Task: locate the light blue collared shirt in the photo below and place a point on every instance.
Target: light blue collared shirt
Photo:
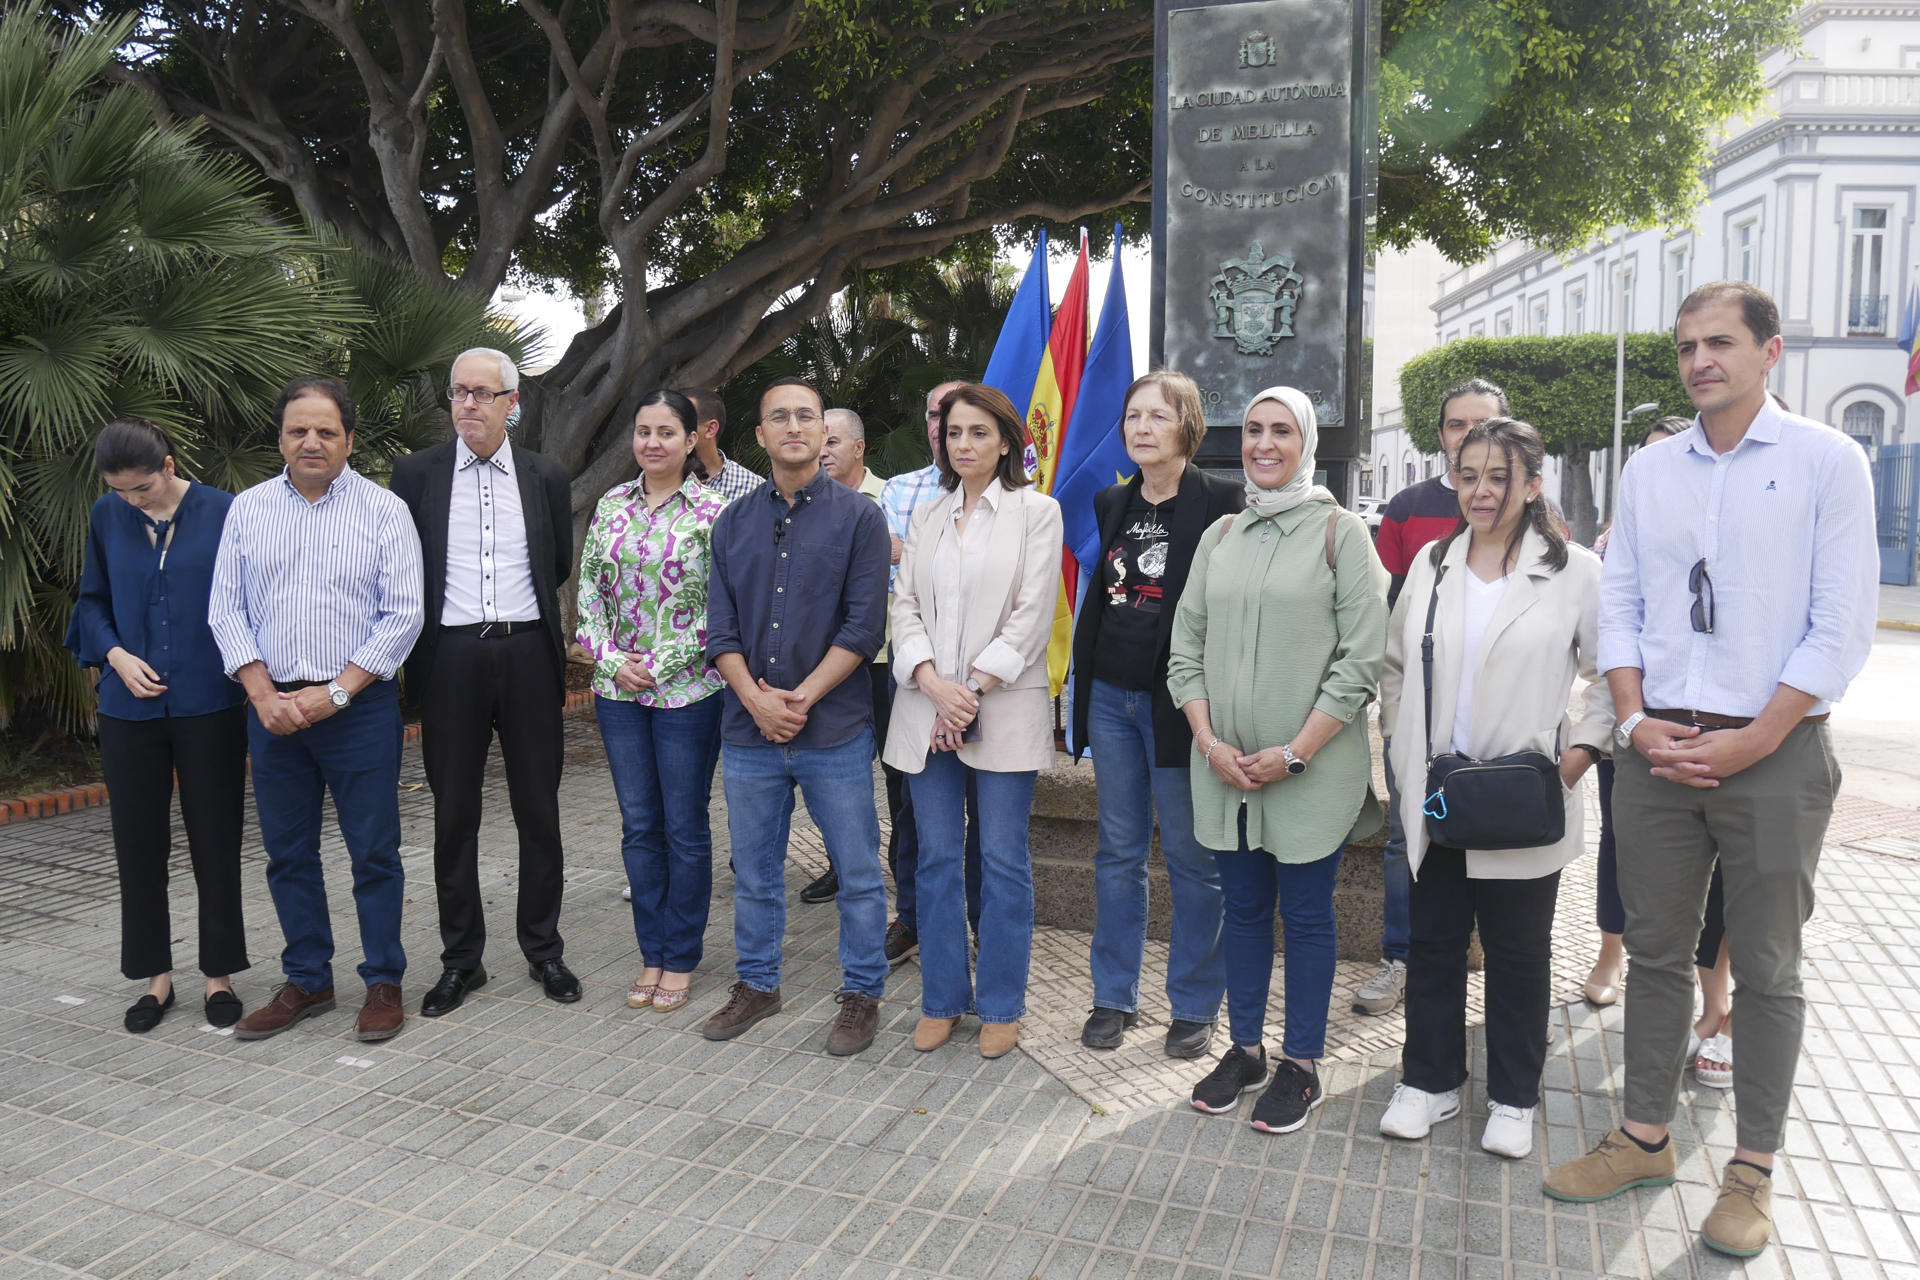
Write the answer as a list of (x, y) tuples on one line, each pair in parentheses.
[(901, 497), (1785, 522)]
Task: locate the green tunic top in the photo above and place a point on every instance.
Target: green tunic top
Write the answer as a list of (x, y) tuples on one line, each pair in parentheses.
[(1266, 633)]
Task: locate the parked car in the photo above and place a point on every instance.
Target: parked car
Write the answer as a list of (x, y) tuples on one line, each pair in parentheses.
[(1369, 509)]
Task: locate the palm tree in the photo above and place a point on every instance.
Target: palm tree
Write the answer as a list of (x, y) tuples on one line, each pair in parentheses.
[(140, 274)]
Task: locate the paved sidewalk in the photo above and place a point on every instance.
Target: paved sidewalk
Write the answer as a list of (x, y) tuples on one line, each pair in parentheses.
[(1900, 608), (518, 1138)]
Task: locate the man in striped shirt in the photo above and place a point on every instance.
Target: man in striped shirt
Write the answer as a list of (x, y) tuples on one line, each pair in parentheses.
[(316, 602)]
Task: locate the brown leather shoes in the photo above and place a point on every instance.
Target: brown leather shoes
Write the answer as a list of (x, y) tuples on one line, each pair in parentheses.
[(381, 1016), (289, 1005), (854, 1025), (744, 1007)]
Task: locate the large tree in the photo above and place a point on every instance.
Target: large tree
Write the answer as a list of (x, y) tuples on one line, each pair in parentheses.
[(725, 167), (1562, 386)]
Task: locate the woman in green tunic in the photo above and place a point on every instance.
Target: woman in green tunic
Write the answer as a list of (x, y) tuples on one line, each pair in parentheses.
[(1276, 650)]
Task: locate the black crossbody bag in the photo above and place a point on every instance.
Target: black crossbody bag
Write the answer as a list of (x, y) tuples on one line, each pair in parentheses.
[(1510, 802)]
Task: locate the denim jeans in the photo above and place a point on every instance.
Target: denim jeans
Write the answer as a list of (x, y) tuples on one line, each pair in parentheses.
[(1250, 880), (1396, 879), (837, 784), (1120, 731), (662, 761), (997, 990), (903, 859), (355, 754)]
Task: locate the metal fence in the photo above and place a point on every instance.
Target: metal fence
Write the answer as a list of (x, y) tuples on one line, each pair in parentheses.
[(1896, 499)]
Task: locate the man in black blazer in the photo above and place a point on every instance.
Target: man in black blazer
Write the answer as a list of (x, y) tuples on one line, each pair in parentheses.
[(496, 538)]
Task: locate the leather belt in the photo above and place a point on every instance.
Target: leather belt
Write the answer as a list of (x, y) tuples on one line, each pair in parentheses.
[(490, 630), (295, 686), (1708, 720)]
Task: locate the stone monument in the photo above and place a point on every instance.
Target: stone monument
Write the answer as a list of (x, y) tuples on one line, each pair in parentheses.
[(1262, 185)]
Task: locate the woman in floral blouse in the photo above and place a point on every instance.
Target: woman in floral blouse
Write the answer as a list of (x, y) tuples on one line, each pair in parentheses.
[(643, 618)]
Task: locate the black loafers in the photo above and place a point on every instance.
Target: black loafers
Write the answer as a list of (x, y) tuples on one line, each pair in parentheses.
[(146, 1013), (556, 980), (223, 1009), (448, 993), (1106, 1028)]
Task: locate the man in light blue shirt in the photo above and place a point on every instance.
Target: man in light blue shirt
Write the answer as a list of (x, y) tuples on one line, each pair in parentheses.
[(1739, 600)]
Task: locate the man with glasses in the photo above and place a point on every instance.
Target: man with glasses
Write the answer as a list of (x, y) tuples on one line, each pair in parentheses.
[(796, 605), (496, 536), (1738, 603)]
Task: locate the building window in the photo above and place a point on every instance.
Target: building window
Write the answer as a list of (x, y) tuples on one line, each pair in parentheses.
[(1626, 297), (1866, 281), (1366, 482), (1746, 251), (1478, 329), (1503, 325), (1386, 476), (1863, 420), (1453, 336), (1677, 274), (1538, 324), (1577, 308), (1412, 476)]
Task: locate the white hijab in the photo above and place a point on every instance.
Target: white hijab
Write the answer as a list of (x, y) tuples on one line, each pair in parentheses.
[(1264, 503)]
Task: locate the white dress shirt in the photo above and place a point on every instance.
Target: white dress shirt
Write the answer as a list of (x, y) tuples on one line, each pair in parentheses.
[(1785, 523), (489, 574)]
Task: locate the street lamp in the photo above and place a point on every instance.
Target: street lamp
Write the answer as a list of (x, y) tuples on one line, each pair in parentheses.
[(1619, 425)]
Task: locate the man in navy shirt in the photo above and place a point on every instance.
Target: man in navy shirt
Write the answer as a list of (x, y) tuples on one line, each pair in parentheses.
[(796, 606)]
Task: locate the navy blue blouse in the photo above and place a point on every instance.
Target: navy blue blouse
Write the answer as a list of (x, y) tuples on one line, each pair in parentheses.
[(153, 607)]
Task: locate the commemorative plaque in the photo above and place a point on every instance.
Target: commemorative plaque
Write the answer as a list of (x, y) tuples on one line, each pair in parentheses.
[(1260, 201)]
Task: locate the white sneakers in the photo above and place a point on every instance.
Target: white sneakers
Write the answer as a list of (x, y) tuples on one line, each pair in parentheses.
[(1509, 1131), (1413, 1113)]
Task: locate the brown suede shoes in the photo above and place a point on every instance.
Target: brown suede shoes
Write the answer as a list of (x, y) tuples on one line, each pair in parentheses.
[(289, 1005), (744, 1007), (1742, 1219), (381, 1016), (933, 1032), (854, 1025), (1615, 1165), (998, 1038)]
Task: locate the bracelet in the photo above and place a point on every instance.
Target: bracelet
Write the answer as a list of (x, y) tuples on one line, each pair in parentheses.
[(1208, 756)]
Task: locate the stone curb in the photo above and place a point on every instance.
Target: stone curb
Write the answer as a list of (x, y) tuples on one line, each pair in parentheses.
[(86, 795), (1896, 624)]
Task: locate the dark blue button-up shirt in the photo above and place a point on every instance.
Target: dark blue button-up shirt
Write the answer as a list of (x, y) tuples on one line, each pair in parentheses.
[(791, 582), (154, 608)]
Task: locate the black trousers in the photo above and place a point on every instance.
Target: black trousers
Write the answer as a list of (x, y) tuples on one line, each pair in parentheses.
[(898, 801), (140, 759), (1516, 935), (474, 688)]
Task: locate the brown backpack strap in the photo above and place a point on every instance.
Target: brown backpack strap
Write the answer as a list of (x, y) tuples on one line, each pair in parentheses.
[(1333, 520), (1227, 528)]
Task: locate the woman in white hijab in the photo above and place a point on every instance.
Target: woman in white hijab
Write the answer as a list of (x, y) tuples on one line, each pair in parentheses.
[(1276, 650)]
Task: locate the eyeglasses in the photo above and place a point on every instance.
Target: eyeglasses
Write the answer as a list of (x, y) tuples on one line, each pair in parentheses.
[(1702, 587), (480, 395), (780, 417)]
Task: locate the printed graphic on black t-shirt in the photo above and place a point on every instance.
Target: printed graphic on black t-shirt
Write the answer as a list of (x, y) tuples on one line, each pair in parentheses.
[(1132, 575)]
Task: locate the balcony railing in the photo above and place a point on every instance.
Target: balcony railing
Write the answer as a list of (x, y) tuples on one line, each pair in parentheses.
[(1866, 315)]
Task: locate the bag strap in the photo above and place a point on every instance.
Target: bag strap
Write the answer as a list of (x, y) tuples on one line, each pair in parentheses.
[(1426, 659), (1226, 528), (1333, 524)]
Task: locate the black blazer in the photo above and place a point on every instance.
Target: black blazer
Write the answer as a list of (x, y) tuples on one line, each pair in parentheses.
[(424, 481), (1202, 500)]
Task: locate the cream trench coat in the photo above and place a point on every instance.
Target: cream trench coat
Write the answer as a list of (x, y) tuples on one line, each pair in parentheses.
[(1012, 611), (1543, 637)]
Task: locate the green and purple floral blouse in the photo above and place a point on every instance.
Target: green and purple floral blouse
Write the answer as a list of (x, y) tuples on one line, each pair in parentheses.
[(643, 592)]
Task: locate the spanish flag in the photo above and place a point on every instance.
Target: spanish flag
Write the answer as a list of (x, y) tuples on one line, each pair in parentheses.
[(1909, 339), (1048, 414)]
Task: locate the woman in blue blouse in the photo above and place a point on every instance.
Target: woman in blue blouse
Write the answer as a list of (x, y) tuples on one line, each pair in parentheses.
[(166, 708)]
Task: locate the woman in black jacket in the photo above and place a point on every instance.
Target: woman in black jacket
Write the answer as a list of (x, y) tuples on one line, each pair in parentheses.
[(1150, 527)]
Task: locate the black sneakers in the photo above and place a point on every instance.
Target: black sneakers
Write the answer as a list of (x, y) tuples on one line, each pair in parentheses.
[(1238, 1072), (1188, 1039), (1106, 1028), (1292, 1096)]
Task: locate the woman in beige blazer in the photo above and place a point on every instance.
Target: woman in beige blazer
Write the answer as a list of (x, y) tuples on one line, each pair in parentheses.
[(1517, 623), (972, 611)]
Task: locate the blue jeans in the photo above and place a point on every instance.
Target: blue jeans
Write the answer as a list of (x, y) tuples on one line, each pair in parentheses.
[(1396, 906), (903, 859), (1250, 879), (662, 761), (837, 783), (355, 754), (1120, 731), (997, 990)]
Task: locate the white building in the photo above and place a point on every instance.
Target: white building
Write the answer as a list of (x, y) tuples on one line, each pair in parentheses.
[(1815, 200)]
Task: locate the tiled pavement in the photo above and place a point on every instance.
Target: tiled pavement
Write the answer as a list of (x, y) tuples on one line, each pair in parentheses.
[(517, 1138)]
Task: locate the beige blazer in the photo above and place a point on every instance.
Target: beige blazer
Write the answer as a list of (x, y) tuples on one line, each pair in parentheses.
[(1543, 638), (1014, 604)]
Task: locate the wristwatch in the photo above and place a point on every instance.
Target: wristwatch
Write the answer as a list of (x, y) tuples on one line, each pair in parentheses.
[(1294, 763), (1623, 732), (339, 696), (973, 685)]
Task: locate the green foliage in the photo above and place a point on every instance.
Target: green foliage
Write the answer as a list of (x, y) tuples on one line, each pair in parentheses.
[(1563, 386), (1552, 120), (141, 275)]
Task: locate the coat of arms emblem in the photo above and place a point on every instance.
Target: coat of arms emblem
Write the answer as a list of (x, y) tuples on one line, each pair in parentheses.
[(1257, 50), (1253, 300)]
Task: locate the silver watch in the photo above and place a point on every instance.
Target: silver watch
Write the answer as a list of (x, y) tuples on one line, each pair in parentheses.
[(973, 685), (339, 696), (1623, 732), (1293, 762)]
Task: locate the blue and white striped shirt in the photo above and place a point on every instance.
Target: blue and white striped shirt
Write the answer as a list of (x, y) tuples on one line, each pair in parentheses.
[(307, 588)]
